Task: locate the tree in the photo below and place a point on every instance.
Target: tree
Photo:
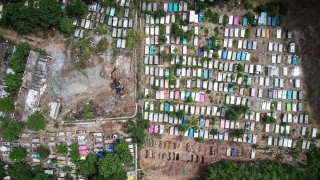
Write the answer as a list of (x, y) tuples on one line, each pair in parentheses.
[(19, 171), (180, 114), (250, 17), (43, 151), (6, 104), (270, 119), (65, 26), (62, 148), (238, 133), (110, 166), (13, 83), (122, 150), (11, 129), (48, 13), (213, 131), (183, 128), (88, 167), (75, 9), (39, 174), (74, 152), (2, 171), (265, 169), (240, 68), (18, 154), (36, 122), (139, 136)]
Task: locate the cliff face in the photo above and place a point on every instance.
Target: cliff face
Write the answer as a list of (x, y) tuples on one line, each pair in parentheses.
[(304, 19)]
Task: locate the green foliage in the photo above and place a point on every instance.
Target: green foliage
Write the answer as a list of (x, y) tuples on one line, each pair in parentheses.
[(238, 133), (158, 13), (102, 45), (6, 104), (18, 154), (133, 37), (45, 17), (65, 26), (2, 171), (270, 119), (74, 152), (17, 62), (19, 171), (234, 112), (200, 140), (110, 167), (250, 17), (240, 68), (138, 130), (212, 16), (36, 122), (189, 99), (183, 128), (213, 120), (43, 151), (213, 131), (62, 148), (251, 170), (180, 114), (247, 33), (13, 83), (247, 5), (162, 39), (76, 8), (122, 150), (178, 32), (225, 20), (11, 129), (88, 167)]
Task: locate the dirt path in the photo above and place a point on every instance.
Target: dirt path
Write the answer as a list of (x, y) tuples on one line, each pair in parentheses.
[(35, 42)]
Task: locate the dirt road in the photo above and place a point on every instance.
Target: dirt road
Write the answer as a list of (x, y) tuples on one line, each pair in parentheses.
[(35, 42)]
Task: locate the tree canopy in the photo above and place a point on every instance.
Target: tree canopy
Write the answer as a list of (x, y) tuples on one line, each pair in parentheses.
[(11, 129), (74, 152), (6, 104), (18, 154), (19, 171), (122, 150), (110, 166), (43, 151), (65, 26), (62, 148), (233, 113), (88, 167), (76, 9), (251, 170), (36, 122), (2, 171), (43, 16), (17, 62)]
